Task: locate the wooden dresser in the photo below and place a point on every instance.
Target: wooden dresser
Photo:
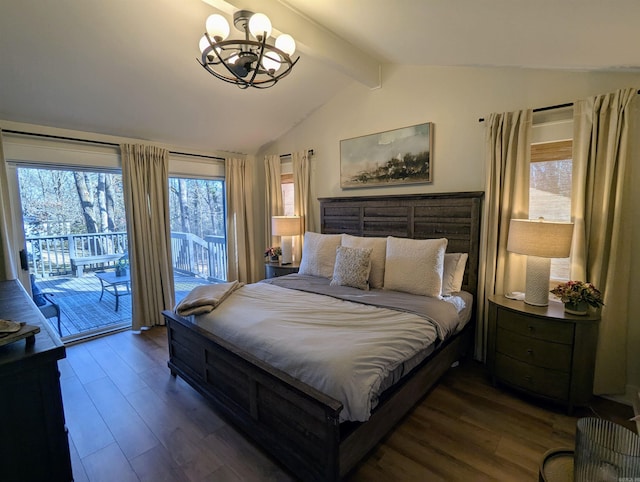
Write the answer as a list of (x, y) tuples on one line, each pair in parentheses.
[(542, 350), (33, 438)]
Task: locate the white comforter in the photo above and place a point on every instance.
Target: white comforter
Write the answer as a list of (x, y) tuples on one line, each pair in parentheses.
[(342, 348)]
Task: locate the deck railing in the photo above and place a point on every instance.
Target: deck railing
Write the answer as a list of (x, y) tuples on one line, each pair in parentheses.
[(206, 257), (52, 255)]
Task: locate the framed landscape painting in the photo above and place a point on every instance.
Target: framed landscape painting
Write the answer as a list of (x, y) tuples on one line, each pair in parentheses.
[(399, 156)]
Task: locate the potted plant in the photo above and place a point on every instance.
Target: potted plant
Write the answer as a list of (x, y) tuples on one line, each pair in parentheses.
[(577, 296), (121, 267), (273, 253)]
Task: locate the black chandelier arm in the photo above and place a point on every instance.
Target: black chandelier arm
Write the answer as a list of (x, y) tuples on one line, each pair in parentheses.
[(217, 52)]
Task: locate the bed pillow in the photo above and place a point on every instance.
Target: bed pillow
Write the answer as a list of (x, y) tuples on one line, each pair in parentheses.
[(454, 264), (319, 254), (378, 248), (352, 267), (415, 265)]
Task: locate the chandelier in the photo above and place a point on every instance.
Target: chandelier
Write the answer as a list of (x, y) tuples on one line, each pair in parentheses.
[(248, 62)]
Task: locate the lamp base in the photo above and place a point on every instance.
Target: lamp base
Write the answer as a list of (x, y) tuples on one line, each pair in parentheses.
[(287, 255), (538, 273)]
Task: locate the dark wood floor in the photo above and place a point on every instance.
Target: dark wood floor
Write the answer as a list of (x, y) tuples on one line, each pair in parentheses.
[(129, 420)]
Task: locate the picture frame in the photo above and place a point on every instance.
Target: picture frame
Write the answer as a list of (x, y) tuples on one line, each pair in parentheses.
[(394, 157)]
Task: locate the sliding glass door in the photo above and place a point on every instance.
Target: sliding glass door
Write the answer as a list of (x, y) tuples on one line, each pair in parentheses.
[(198, 240), (76, 242)]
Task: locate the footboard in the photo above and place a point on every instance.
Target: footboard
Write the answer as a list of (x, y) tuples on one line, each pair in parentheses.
[(296, 423)]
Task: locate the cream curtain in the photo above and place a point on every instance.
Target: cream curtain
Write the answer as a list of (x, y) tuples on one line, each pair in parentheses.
[(273, 194), (507, 148), (301, 193), (7, 259), (241, 251), (145, 182), (601, 251)]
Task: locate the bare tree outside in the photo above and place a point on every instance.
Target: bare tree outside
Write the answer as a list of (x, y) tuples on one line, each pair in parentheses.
[(56, 202), (197, 206), (71, 216)]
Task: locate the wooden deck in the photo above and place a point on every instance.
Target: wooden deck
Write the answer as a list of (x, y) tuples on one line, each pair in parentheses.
[(82, 311)]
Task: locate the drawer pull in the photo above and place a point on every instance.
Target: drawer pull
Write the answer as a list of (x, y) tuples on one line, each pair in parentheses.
[(528, 378), (529, 351), (532, 329)]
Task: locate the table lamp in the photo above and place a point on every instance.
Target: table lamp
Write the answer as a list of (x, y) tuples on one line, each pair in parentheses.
[(286, 227), (540, 240)]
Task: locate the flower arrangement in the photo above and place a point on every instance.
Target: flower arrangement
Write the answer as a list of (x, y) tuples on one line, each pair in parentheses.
[(576, 291), (273, 252)]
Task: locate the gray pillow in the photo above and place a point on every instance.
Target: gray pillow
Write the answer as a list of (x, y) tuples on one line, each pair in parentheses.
[(352, 267)]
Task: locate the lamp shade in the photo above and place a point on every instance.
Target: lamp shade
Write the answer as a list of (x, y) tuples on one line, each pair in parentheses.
[(285, 225), (544, 239)]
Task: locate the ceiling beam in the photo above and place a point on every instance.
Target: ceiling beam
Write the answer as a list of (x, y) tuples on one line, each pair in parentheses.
[(311, 38)]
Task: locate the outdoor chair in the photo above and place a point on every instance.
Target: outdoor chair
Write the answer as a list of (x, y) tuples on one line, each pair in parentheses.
[(45, 303)]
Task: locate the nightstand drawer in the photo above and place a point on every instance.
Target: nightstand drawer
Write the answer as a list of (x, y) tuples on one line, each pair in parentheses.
[(543, 381), (556, 331), (540, 353)]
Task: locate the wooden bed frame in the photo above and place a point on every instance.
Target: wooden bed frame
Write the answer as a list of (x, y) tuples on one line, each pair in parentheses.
[(292, 421)]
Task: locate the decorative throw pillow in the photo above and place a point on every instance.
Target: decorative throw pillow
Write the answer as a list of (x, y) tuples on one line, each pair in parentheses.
[(454, 264), (378, 248), (352, 267), (319, 254), (415, 265)]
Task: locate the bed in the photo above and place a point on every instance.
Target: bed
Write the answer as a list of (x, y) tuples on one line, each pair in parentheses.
[(301, 426)]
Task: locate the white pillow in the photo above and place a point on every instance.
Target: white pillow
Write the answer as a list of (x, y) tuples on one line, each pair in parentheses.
[(378, 248), (352, 267), (454, 264), (415, 265), (319, 254)]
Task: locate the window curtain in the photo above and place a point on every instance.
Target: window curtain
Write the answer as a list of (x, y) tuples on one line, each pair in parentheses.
[(273, 194), (240, 220), (7, 250), (145, 182), (301, 193), (601, 251), (507, 148)]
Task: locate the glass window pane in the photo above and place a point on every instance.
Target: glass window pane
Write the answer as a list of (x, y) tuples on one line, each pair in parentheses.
[(76, 240), (550, 198), (287, 198), (198, 241)]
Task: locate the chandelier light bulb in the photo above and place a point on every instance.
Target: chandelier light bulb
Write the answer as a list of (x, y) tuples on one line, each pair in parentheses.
[(286, 43), (259, 25), (271, 61), (203, 44), (217, 27)]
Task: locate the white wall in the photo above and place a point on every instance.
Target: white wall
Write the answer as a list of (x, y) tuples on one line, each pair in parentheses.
[(453, 98)]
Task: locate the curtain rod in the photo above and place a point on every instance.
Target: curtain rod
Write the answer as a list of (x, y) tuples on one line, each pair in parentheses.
[(542, 109), (100, 143), (551, 107), (310, 151)]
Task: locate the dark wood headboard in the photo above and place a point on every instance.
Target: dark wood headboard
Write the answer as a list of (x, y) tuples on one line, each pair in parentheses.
[(455, 216)]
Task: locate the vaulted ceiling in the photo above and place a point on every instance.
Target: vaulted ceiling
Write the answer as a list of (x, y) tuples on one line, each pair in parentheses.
[(128, 67)]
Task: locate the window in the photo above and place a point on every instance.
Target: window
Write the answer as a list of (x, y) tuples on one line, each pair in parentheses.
[(198, 240), (286, 181), (550, 190)]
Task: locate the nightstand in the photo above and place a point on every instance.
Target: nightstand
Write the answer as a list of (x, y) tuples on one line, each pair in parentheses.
[(542, 350), (273, 270)]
